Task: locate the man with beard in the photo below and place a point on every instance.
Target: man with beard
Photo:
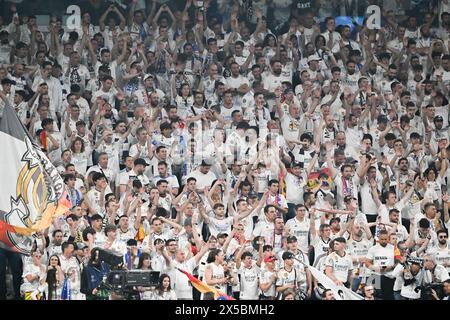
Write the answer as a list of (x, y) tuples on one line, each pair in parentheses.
[(351, 77), (165, 198), (346, 181), (380, 260), (198, 110), (358, 247), (238, 84), (389, 79), (438, 133), (143, 95), (138, 172), (273, 80), (442, 250)]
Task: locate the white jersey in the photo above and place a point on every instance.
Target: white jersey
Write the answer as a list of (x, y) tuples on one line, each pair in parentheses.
[(299, 229), (265, 277), (218, 273), (217, 226), (320, 249), (71, 268), (249, 282), (341, 265), (181, 283), (287, 277), (359, 249), (442, 256)]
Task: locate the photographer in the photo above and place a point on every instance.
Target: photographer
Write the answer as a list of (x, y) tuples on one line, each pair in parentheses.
[(413, 275), (435, 276), (92, 278), (446, 291)]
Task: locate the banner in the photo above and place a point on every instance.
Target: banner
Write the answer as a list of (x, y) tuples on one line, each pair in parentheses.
[(32, 192), (340, 292)]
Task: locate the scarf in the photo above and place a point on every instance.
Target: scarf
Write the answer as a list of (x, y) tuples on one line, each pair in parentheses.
[(74, 75), (348, 187)]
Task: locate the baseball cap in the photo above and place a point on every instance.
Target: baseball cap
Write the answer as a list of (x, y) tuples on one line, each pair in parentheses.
[(222, 235), (270, 258), (187, 222), (165, 125), (81, 245), (287, 255), (297, 164), (288, 90), (204, 163), (141, 161), (291, 239), (350, 160), (313, 57), (382, 118), (149, 75), (8, 81), (438, 118)]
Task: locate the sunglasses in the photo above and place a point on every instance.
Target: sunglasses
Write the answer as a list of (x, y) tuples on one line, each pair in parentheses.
[(443, 237)]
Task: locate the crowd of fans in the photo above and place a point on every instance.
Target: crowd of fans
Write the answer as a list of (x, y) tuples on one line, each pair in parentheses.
[(241, 141)]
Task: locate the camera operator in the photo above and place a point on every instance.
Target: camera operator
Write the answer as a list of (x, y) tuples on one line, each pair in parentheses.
[(446, 291), (92, 284)]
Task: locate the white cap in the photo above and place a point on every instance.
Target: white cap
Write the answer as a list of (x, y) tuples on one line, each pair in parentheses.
[(313, 57)]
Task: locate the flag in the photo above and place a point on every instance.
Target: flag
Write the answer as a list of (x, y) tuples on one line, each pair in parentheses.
[(340, 292), (140, 234), (397, 253), (33, 192), (66, 291), (313, 178), (203, 287)]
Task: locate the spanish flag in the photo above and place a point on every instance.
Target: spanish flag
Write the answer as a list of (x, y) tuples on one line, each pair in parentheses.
[(203, 287), (140, 234), (397, 253)]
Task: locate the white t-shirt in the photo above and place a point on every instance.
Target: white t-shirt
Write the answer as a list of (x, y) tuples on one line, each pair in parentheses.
[(382, 257), (180, 281), (294, 187), (359, 249), (265, 277), (341, 265), (300, 230), (249, 282), (217, 226), (320, 248)]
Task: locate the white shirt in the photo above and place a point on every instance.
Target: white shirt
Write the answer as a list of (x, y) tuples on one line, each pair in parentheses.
[(294, 187), (300, 230), (341, 265), (249, 282), (382, 257)]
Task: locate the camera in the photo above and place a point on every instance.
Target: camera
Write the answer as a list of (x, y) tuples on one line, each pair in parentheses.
[(427, 294)]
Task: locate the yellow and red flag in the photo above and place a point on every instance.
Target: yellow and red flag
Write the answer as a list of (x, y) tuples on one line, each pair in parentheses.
[(203, 287)]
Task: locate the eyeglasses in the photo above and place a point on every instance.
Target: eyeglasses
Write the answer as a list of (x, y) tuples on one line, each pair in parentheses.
[(443, 237)]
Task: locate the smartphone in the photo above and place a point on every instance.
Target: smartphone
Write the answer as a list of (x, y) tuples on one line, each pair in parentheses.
[(444, 189)]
